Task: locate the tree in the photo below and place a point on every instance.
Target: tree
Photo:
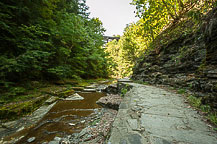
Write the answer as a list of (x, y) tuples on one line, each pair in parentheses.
[(52, 39)]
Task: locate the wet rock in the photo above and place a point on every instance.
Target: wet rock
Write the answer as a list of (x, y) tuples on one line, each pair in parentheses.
[(65, 141), (74, 97), (32, 139), (101, 88), (54, 142), (83, 132), (66, 93), (51, 100), (111, 89), (57, 139), (111, 101), (91, 86), (72, 124), (89, 90), (78, 88), (98, 132)]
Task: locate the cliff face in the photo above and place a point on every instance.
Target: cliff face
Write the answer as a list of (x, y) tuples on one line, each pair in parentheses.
[(186, 60)]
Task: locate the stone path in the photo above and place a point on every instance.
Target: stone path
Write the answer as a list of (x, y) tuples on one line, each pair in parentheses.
[(150, 115)]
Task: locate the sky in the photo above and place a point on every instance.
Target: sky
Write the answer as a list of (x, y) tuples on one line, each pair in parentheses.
[(114, 14)]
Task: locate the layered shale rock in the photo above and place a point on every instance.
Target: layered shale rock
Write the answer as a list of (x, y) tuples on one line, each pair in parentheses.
[(187, 59)]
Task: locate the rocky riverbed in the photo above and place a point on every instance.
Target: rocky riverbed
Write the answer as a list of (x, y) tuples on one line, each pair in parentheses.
[(74, 119)]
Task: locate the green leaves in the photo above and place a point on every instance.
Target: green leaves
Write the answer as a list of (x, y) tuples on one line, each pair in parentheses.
[(49, 39), (158, 14), (125, 52)]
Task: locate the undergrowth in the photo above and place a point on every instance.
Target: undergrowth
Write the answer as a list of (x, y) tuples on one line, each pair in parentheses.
[(197, 103)]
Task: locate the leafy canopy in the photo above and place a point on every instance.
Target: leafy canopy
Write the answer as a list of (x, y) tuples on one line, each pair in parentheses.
[(49, 39)]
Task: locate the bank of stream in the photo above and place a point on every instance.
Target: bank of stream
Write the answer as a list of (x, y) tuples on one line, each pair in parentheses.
[(65, 119)]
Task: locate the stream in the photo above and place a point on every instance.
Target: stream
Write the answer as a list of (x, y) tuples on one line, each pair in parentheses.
[(64, 118)]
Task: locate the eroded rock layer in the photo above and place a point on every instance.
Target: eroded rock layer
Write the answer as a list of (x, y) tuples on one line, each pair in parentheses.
[(188, 60)]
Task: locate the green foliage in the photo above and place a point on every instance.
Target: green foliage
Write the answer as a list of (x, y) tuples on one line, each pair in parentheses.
[(52, 39), (162, 21), (213, 118), (205, 108), (181, 91), (123, 91), (159, 13), (125, 52), (19, 109), (196, 102)]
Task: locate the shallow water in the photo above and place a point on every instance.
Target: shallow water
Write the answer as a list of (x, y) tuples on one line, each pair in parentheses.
[(65, 118)]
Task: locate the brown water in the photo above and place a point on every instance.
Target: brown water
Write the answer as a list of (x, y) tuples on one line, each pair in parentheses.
[(63, 119)]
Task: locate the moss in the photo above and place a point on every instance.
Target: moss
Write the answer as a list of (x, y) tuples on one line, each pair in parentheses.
[(14, 111), (202, 67), (52, 90), (83, 83), (66, 93), (19, 105)]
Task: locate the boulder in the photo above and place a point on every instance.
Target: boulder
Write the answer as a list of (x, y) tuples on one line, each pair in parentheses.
[(111, 89), (110, 101)]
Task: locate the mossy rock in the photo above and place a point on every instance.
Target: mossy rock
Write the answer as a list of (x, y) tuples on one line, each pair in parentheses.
[(70, 81), (66, 93), (53, 90), (78, 88), (83, 84), (14, 111)]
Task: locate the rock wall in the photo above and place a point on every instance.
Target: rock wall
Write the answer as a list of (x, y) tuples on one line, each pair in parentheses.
[(189, 60)]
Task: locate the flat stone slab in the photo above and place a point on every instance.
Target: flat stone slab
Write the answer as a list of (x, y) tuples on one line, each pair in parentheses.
[(124, 80), (51, 100), (93, 86), (150, 115), (24, 122), (74, 97), (89, 90), (78, 88)]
